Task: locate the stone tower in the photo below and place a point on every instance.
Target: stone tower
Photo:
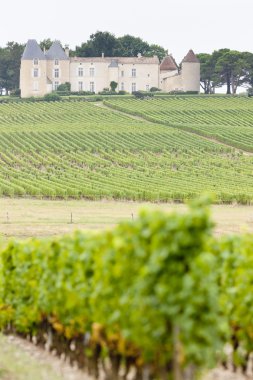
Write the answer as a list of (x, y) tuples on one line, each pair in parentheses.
[(33, 71), (42, 72), (58, 70), (191, 72)]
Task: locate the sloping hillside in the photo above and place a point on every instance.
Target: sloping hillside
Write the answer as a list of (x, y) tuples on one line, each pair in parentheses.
[(76, 149)]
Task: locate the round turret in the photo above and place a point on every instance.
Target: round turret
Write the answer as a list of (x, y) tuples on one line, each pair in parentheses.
[(191, 72)]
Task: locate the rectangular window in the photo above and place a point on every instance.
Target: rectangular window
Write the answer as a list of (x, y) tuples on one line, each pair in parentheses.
[(80, 86), (122, 73), (92, 72), (35, 86), (56, 85), (56, 73), (122, 87), (147, 87), (35, 61), (133, 87), (133, 73), (92, 87), (56, 62), (80, 71), (35, 73)]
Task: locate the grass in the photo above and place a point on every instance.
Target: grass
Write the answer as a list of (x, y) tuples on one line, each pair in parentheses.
[(17, 364), (41, 218)]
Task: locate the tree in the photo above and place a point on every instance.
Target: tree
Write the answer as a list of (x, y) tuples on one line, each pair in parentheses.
[(233, 68), (130, 46), (46, 44), (157, 50), (126, 46), (113, 85), (10, 65), (208, 77), (100, 42)]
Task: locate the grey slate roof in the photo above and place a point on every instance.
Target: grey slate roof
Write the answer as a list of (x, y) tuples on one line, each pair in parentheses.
[(56, 52), (114, 63), (33, 50)]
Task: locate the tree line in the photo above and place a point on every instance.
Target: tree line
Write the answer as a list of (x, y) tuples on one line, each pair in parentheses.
[(223, 67), (226, 67)]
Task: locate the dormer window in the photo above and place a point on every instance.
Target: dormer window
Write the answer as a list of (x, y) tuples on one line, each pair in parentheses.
[(56, 62), (35, 61)]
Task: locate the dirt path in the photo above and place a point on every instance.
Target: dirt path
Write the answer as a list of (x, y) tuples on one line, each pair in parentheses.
[(21, 360)]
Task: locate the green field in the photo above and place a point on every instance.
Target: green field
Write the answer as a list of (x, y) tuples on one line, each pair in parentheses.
[(226, 119), (79, 150)]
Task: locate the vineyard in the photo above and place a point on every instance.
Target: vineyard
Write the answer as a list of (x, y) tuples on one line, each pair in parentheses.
[(156, 298), (79, 150), (225, 119)]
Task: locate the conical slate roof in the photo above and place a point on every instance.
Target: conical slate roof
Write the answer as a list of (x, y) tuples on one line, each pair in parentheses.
[(168, 63), (33, 50), (56, 52), (191, 57)]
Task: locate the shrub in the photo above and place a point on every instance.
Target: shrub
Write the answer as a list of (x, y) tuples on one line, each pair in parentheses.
[(64, 87), (113, 86), (16, 92), (250, 91), (53, 97), (142, 95), (154, 89)]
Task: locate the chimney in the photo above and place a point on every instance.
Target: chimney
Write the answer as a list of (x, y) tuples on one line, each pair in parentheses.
[(103, 55), (139, 55), (67, 50)]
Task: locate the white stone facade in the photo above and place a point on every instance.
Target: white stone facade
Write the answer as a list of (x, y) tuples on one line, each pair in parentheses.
[(42, 73)]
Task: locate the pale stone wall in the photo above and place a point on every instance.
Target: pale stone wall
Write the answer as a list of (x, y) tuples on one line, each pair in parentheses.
[(131, 74), (30, 85), (63, 67), (191, 76), (146, 75), (173, 83), (100, 78)]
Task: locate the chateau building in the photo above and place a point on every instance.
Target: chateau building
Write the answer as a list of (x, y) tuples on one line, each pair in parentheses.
[(42, 72)]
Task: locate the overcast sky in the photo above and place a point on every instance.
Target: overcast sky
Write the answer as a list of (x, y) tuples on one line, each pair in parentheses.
[(177, 25)]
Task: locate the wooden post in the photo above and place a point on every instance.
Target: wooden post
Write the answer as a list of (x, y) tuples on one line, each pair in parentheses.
[(177, 374)]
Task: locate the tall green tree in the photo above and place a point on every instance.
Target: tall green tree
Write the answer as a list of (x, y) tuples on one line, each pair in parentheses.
[(233, 68), (208, 77), (126, 46), (46, 44), (99, 42), (10, 65)]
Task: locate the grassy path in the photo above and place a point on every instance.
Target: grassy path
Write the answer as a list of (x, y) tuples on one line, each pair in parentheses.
[(21, 360), (23, 218)]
